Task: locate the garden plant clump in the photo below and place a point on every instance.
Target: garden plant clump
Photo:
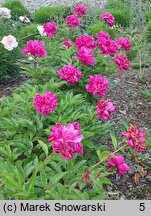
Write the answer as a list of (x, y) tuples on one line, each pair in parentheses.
[(58, 137)]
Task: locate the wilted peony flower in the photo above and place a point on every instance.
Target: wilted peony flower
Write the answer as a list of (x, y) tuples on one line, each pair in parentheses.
[(9, 42), (69, 73), (86, 177), (67, 43), (41, 30), (85, 55), (66, 140), (135, 139), (80, 10), (122, 63), (34, 48), (109, 18), (118, 161), (24, 19), (124, 43), (85, 41), (104, 107), (50, 29), (73, 21), (98, 85), (5, 13), (46, 103)]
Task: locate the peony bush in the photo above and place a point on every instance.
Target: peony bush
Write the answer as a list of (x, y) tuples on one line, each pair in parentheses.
[(50, 124)]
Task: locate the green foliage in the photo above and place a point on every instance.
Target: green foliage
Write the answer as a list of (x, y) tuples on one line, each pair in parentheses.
[(56, 13), (116, 4), (133, 53), (146, 94), (149, 31), (24, 145), (97, 27), (17, 8), (148, 15), (28, 32)]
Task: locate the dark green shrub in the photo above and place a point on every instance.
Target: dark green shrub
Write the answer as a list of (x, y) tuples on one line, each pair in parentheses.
[(148, 15), (149, 31), (28, 32), (56, 13), (17, 8), (96, 28), (117, 4), (122, 17)]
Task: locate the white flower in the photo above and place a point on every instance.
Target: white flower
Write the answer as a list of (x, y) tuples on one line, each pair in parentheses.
[(24, 19), (9, 42), (5, 12), (41, 30)]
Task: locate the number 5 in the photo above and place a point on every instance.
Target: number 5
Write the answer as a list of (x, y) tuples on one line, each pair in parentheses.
[(142, 206)]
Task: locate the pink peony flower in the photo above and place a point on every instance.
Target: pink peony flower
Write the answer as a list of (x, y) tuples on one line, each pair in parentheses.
[(103, 35), (104, 108), (66, 140), (85, 41), (122, 63), (80, 10), (118, 161), (73, 21), (67, 43), (34, 48), (124, 43), (45, 104), (69, 73), (97, 85), (85, 55), (109, 18), (135, 139), (107, 46), (50, 29)]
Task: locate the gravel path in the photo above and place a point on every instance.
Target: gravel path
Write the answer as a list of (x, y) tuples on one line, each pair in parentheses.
[(32, 5)]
